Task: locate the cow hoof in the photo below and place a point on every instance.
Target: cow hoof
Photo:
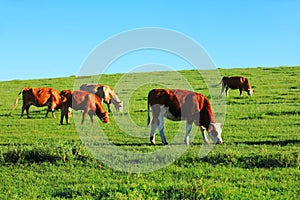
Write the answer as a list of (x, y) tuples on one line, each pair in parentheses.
[(152, 143), (186, 142)]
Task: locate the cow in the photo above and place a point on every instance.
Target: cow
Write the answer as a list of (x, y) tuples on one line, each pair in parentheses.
[(106, 93), (39, 97), (82, 100), (177, 105), (235, 82)]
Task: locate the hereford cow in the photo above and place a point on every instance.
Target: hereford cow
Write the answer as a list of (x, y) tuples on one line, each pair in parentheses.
[(106, 93), (179, 105), (235, 82), (40, 97), (82, 100)]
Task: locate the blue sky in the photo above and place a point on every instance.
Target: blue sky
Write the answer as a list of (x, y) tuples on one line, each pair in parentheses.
[(40, 39)]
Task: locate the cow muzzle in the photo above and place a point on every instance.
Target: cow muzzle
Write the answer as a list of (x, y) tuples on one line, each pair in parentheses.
[(104, 118)]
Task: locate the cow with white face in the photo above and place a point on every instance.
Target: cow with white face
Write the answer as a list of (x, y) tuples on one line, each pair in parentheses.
[(106, 93), (178, 105), (235, 82)]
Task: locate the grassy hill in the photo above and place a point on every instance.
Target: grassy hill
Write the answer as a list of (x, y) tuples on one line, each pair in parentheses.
[(40, 159)]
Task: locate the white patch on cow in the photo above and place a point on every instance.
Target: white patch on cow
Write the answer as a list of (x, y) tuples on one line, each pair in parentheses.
[(161, 115), (204, 135), (250, 92), (161, 118), (187, 135), (215, 132)]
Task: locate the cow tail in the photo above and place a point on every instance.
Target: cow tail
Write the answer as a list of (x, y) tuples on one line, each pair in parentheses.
[(217, 84), (148, 117), (17, 100)]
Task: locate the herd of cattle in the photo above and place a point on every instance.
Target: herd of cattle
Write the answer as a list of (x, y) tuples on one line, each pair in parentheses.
[(173, 104)]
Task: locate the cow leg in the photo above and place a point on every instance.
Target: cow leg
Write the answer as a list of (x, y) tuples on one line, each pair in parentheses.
[(241, 91), (64, 113), (152, 133), (108, 106), (25, 107), (222, 90), (204, 135), (47, 113), (62, 116), (187, 135), (226, 91), (157, 122), (22, 112), (84, 114), (53, 114), (154, 122), (161, 127), (91, 117)]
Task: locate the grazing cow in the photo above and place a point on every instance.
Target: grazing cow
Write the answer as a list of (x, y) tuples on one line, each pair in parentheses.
[(82, 100), (106, 93), (40, 97), (179, 105), (235, 82)]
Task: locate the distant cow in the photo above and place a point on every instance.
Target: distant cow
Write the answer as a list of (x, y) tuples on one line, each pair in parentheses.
[(82, 100), (235, 82), (40, 97), (179, 105), (106, 93)]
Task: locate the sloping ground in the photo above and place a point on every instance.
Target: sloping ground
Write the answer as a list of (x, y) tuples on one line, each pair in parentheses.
[(259, 158)]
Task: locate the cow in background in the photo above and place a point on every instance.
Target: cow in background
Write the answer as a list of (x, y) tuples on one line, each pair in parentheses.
[(106, 93), (82, 100), (39, 97), (235, 82), (179, 105)]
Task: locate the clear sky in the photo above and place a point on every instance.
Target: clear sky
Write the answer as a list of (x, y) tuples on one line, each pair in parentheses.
[(40, 39)]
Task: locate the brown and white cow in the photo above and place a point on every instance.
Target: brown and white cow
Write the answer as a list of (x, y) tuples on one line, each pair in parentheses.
[(178, 105), (106, 93), (82, 100), (40, 97), (235, 82)]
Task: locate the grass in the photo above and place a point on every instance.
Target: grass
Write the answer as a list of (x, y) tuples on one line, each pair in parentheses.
[(40, 159)]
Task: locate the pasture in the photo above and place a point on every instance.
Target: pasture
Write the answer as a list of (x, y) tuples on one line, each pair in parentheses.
[(259, 159)]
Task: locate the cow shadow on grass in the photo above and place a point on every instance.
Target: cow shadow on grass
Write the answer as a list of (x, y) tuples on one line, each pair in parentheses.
[(272, 143), (35, 114), (142, 144)]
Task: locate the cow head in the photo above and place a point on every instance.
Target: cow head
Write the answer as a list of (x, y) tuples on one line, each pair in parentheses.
[(104, 117), (214, 132), (250, 92), (119, 106)]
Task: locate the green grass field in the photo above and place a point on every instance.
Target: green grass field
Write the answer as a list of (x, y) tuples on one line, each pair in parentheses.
[(259, 159)]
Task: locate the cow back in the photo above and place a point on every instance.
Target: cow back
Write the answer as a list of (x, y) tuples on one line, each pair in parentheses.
[(42, 96)]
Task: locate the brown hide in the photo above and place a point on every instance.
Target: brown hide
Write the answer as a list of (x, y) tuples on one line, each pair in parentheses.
[(105, 92), (236, 82), (82, 100), (40, 97), (182, 104)]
